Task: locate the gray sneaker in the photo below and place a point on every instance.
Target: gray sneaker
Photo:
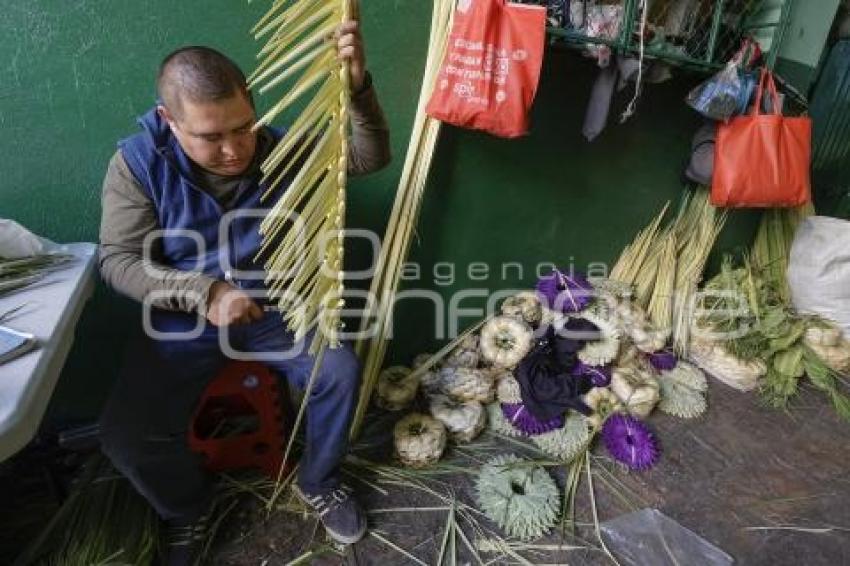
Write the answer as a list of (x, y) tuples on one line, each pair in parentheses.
[(339, 512), (185, 541)]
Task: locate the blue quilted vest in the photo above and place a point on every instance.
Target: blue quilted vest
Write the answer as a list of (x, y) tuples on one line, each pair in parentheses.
[(191, 218)]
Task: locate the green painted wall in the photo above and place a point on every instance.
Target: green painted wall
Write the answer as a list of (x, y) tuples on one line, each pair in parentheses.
[(552, 196), (75, 74)]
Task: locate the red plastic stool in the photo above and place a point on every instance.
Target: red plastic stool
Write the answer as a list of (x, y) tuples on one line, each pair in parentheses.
[(239, 422)]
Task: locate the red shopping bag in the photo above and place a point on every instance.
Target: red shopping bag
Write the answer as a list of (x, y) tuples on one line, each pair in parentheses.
[(763, 160), (492, 66)]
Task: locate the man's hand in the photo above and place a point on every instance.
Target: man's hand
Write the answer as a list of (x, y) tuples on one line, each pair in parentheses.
[(349, 45), (228, 306)]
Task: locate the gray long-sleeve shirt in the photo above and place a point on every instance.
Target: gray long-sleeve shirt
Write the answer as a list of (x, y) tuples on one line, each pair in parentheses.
[(129, 215)]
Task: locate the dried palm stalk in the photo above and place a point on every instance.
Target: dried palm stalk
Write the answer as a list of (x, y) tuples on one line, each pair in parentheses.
[(633, 258), (772, 247), (666, 265), (404, 215), (660, 307), (18, 273), (648, 275), (303, 231), (696, 228)]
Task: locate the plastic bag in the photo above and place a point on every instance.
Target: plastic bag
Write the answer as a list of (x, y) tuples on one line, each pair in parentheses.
[(728, 93), (719, 97), (650, 537), (819, 269), (16, 241), (603, 22), (492, 67)]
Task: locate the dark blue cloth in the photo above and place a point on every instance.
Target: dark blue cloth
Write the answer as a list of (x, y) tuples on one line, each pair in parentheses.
[(547, 386)]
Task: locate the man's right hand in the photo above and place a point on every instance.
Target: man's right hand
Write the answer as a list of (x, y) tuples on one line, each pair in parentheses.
[(228, 305)]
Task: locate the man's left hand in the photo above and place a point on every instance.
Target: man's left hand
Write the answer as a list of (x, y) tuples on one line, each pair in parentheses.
[(349, 44)]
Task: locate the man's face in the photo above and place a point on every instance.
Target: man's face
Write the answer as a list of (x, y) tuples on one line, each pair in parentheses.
[(218, 135)]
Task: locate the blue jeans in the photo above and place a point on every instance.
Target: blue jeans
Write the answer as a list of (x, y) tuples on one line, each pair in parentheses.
[(145, 422)]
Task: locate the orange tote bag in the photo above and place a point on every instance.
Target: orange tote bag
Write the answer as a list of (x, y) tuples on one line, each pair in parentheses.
[(492, 67), (763, 160)]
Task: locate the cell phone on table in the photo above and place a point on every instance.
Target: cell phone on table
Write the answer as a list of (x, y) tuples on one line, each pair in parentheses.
[(14, 343)]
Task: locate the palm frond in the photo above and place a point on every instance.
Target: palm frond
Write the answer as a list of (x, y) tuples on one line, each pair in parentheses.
[(304, 228), (372, 346), (22, 272)]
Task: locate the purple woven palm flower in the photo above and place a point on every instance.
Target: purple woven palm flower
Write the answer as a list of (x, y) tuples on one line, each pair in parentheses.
[(630, 442), (665, 360), (565, 293), (521, 418), (600, 376)]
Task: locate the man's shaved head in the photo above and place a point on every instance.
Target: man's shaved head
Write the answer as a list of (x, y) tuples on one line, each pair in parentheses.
[(199, 74)]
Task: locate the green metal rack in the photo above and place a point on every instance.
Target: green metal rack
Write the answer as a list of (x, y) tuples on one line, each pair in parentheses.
[(707, 34)]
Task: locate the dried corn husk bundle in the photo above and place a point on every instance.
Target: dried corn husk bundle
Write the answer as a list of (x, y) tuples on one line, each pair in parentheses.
[(396, 388), (633, 359), (837, 357), (498, 374), (465, 355), (404, 215), (602, 402), (823, 335), (638, 391), (630, 356), (463, 420), (467, 384), (505, 341), (429, 379), (419, 440), (526, 306), (303, 232), (634, 322), (827, 341), (718, 362)]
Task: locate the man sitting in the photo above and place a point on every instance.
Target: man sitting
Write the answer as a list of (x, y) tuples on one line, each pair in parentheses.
[(167, 193)]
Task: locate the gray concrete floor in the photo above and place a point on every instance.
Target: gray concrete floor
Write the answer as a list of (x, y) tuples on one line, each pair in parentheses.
[(767, 487)]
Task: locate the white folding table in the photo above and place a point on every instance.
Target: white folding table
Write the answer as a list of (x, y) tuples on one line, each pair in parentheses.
[(51, 310)]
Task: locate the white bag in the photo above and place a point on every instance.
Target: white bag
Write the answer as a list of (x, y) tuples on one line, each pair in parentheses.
[(819, 270), (16, 241)]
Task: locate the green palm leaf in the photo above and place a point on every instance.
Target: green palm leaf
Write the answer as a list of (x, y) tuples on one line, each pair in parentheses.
[(303, 231)]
